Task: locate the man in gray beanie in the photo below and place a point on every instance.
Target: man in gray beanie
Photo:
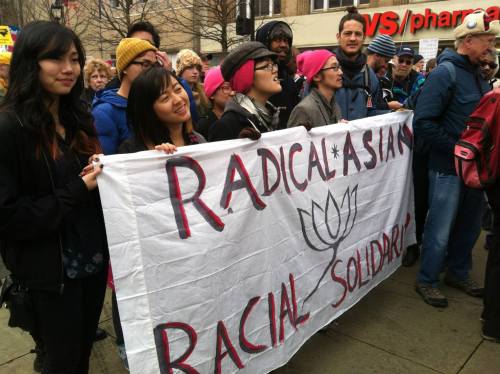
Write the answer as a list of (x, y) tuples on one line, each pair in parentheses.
[(380, 51)]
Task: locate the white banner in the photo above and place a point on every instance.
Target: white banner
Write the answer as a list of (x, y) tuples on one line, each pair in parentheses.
[(228, 256)]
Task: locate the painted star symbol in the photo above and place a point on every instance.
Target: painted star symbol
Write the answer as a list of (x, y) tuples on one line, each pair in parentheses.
[(335, 151)]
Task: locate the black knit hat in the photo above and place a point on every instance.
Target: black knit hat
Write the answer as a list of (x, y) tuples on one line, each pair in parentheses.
[(417, 58), (241, 54)]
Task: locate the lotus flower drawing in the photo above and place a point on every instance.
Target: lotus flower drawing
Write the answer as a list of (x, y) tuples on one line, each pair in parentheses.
[(331, 225)]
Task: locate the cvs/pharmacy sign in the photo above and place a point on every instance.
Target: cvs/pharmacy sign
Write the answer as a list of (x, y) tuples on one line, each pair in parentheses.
[(390, 23)]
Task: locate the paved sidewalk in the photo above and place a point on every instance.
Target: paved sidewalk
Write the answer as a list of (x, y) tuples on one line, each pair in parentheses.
[(390, 331)]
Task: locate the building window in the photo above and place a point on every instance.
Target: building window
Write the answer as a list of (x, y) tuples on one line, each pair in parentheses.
[(267, 7), (263, 8), (113, 3), (329, 4)]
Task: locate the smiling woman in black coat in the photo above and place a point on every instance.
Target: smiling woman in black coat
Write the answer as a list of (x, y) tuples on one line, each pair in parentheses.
[(52, 235)]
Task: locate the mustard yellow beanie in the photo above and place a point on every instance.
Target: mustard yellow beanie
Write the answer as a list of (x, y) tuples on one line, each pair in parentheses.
[(128, 50)]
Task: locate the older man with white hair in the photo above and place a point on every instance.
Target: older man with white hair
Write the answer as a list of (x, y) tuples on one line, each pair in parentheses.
[(448, 97)]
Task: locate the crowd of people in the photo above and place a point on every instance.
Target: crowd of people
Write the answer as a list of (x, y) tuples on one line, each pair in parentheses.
[(59, 113)]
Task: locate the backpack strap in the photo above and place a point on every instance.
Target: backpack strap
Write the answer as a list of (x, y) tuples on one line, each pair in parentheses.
[(366, 79), (451, 69)]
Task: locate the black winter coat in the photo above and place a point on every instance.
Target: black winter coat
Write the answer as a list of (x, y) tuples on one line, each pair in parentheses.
[(35, 206), (288, 98), (234, 119)]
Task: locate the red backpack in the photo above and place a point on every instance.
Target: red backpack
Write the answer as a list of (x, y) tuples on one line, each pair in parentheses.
[(477, 152)]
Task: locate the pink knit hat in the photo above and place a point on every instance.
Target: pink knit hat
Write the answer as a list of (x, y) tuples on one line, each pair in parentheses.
[(213, 80), (309, 63)]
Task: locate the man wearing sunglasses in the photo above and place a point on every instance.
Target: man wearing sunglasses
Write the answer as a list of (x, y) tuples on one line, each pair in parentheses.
[(400, 78), (489, 67), (446, 100)]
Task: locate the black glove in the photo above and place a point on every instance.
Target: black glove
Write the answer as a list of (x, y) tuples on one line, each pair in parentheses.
[(307, 125), (250, 133)]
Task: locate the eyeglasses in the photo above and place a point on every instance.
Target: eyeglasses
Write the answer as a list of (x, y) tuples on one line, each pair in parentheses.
[(334, 68), (491, 65), (272, 66), (145, 64), (226, 88), (405, 61)]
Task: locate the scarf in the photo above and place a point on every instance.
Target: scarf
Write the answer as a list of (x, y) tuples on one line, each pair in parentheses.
[(349, 67), (267, 115)]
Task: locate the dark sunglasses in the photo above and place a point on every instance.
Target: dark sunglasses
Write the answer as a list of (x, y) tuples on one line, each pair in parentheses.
[(405, 61), (491, 65)]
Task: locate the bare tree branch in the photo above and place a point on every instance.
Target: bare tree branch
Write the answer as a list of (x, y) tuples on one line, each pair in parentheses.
[(210, 19), (22, 12), (111, 23)]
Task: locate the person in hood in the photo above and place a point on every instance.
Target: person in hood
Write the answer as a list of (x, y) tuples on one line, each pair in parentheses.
[(446, 100), (252, 72), (324, 75), (360, 95), (277, 36), (133, 56)]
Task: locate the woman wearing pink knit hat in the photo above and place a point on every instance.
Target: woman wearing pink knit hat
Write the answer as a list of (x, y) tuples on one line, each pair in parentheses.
[(324, 75), (218, 92)]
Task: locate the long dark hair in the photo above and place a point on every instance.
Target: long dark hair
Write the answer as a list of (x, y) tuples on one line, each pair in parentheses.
[(27, 98), (145, 90)]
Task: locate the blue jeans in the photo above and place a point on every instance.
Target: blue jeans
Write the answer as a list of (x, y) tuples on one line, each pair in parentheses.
[(451, 229)]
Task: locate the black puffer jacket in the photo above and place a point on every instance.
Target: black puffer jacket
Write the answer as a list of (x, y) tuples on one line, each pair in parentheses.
[(35, 205)]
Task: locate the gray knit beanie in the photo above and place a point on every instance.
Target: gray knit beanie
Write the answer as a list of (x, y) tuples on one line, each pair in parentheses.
[(383, 45)]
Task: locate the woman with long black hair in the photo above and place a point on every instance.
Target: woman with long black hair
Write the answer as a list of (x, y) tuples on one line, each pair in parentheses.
[(158, 111), (51, 226)]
